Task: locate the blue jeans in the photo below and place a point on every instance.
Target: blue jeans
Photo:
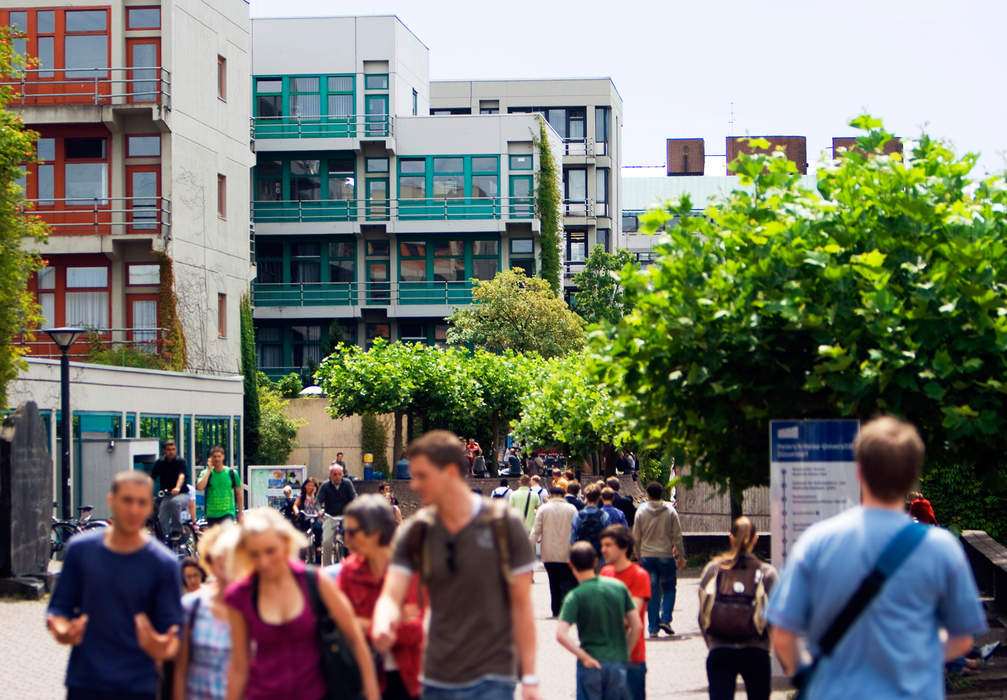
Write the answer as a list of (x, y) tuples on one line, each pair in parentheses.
[(636, 680), (663, 581), (482, 690), (605, 683)]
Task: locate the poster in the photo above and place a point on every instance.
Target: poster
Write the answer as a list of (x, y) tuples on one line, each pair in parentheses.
[(265, 483), (813, 476)]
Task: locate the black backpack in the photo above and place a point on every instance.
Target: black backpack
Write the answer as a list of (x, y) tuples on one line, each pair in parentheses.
[(739, 599), (590, 527)]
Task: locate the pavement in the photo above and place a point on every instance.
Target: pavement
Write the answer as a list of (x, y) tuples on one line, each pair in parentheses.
[(676, 666)]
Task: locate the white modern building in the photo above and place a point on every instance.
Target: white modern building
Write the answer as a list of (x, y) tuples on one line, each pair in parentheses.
[(371, 215)]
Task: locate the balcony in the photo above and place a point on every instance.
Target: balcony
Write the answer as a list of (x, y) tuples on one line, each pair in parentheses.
[(102, 217), (402, 209), (371, 126), (585, 148), (98, 86), (100, 345), (359, 294)]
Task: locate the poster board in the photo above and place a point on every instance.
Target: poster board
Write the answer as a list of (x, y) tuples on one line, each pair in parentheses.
[(813, 476), (265, 483)]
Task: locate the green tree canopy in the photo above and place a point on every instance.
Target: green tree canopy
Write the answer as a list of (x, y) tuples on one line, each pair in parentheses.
[(519, 313), (277, 432), (881, 290), (19, 312), (599, 297)]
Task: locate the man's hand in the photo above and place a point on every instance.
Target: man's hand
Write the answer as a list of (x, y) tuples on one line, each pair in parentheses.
[(174, 491), (589, 661), (681, 562), (157, 646), (67, 631), (411, 612), (530, 692), (383, 635)]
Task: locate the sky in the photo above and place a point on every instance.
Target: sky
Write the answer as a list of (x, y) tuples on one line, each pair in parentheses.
[(785, 67)]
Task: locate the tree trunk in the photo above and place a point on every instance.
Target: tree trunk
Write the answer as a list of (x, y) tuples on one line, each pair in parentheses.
[(397, 444), (737, 496)]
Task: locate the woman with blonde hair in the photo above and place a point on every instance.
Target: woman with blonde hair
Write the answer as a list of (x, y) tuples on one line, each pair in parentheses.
[(270, 611), (733, 593), (201, 664)]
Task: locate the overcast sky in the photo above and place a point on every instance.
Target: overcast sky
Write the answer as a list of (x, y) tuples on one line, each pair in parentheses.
[(789, 67)]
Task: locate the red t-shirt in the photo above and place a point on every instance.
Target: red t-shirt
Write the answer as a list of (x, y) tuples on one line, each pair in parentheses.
[(637, 580)]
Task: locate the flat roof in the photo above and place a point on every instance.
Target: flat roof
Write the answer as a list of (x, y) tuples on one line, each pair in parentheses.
[(395, 17), (528, 80)]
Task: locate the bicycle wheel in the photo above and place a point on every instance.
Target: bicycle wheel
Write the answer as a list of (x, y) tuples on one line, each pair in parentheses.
[(59, 535), (185, 546)]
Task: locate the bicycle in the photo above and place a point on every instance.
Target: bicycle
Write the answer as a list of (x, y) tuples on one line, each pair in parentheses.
[(339, 549), (61, 531), (182, 544)]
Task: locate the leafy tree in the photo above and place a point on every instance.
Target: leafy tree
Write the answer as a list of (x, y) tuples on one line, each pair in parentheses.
[(519, 313), (277, 432), (881, 290), (249, 370), (547, 209), (290, 386), (19, 311), (599, 297)]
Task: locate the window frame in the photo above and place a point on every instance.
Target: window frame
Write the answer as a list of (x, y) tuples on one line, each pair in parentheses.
[(517, 168), (130, 266), (129, 10), (221, 78), (221, 315), (368, 76), (129, 151), (222, 197)]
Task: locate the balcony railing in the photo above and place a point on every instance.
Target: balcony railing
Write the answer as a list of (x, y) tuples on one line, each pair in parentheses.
[(350, 126), (401, 209), (586, 147), (91, 86), (89, 345), (109, 215), (361, 293)]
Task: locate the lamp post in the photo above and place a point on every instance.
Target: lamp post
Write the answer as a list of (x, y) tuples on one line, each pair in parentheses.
[(64, 337)]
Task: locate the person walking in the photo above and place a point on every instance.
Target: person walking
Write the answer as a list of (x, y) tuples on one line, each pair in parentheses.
[(370, 526), (525, 502), (333, 497), (733, 590), (275, 649), (116, 601), (171, 473), (893, 647), (615, 516), (616, 548), (475, 561), (657, 532), (607, 627), (589, 522), (205, 650), (224, 496), (623, 503), (552, 529), (572, 491), (558, 480), (193, 575), (502, 491)]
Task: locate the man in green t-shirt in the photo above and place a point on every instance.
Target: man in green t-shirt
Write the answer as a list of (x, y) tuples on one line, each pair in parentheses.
[(222, 486), (607, 625), (525, 502)]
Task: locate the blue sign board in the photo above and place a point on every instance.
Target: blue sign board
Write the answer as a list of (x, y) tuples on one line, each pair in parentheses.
[(813, 440)]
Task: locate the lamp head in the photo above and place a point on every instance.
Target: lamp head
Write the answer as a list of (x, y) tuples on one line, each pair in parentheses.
[(63, 337)]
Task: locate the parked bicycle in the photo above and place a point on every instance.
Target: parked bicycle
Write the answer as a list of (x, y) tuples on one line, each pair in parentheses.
[(61, 531), (182, 544)]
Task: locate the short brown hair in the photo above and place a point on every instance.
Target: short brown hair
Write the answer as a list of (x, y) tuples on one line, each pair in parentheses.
[(442, 447), (132, 476), (573, 487), (613, 483), (525, 480), (621, 535), (890, 454), (592, 493), (607, 494)]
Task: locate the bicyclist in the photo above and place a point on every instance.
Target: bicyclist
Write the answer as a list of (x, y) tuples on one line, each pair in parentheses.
[(171, 472), (116, 600), (224, 496), (333, 496)]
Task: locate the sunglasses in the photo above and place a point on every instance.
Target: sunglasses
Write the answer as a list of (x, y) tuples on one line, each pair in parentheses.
[(352, 530)]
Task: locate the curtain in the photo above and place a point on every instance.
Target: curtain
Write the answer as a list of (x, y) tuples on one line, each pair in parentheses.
[(87, 309)]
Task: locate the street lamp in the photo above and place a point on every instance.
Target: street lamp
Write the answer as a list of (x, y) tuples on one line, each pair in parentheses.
[(64, 337)]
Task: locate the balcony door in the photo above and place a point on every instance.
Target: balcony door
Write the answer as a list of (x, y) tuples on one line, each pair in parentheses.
[(144, 56)]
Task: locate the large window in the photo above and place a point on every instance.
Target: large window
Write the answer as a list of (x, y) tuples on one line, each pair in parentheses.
[(328, 259), (576, 246), (602, 123), (307, 346), (449, 177), (306, 262), (74, 40), (269, 347), (305, 178), (575, 184), (87, 297), (448, 260), (304, 97)]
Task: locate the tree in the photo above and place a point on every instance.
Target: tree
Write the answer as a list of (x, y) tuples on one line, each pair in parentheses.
[(885, 289), (519, 313), (277, 432), (374, 440), (249, 371), (599, 297), (19, 312), (547, 208)]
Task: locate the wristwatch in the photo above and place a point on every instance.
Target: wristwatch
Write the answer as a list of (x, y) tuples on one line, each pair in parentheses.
[(529, 679)]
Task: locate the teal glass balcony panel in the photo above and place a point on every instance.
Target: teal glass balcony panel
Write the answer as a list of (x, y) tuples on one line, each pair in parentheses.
[(305, 294), (435, 293), (322, 127), (362, 293), (304, 211)]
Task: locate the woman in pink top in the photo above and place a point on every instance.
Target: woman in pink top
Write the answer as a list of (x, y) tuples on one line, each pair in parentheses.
[(270, 607)]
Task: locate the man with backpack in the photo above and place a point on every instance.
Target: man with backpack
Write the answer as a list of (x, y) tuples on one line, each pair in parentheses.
[(475, 561), (590, 521), (616, 547), (525, 502), (502, 491), (222, 487), (658, 535), (870, 590)]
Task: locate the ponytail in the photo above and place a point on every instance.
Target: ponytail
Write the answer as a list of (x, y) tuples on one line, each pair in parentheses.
[(743, 532)]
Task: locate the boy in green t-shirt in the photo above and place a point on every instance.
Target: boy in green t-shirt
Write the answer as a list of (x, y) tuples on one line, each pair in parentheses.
[(607, 625), (223, 489)]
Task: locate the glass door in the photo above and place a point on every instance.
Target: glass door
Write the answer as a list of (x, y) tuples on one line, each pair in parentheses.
[(377, 199), (378, 287), (142, 191), (376, 109), (144, 61)]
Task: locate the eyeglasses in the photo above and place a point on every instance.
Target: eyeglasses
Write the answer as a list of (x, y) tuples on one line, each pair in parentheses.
[(451, 562), (352, 530)]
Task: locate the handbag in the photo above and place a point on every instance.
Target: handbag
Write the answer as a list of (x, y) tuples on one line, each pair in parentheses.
[(339, 665)]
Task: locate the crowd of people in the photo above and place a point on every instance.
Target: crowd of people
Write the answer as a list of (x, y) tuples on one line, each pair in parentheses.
[(439, 606)]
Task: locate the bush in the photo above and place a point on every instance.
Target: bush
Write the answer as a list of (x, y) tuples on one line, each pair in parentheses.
[(277, 432), (374, 439), (125, 356), (965, 498), (290, 386)]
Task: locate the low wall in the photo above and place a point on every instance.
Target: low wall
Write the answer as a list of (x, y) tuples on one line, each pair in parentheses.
[(988, 559)]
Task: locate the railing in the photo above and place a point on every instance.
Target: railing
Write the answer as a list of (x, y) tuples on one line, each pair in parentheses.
[(104, 216), (361, 293), (572, 207), (91, 86), (400, 209), (586, 147), (323, 126), (83, 349)]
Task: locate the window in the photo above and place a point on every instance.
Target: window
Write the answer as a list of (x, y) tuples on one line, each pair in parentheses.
[(221, 315), (575, 184), (601, 185), (340, 96), (485, 181), (269, 180), (46, 280), (78, 38), (522, 246), (87, 305), (269, 97), (269, 261), (85, 43), (630, 223), (221, 196), (454, 111), (307, 346), (449, 261), (376, 165), (222, 78), (485, 259), (143, 275), (521, 192), (522, 255), (376, 81), (412, 178), (449, 178), (71, 169), (602, 123), (269, 347), (86, 183), (603, 238), (342, 260), (576, 246), (143, 146), (489, 106), (412, 261), (340, 178), (305, 180), (306, 262), (378, 249), (143, 18), (446, 260), (46, 173), (416, 103), (521, 162), (304, 98)]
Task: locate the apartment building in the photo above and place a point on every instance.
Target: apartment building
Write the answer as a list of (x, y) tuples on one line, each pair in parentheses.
[(587, 115), (142, 109), (372, 215)]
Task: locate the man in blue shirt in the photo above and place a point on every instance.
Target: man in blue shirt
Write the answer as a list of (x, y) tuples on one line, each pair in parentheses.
[(117, 601), (893, 649)]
